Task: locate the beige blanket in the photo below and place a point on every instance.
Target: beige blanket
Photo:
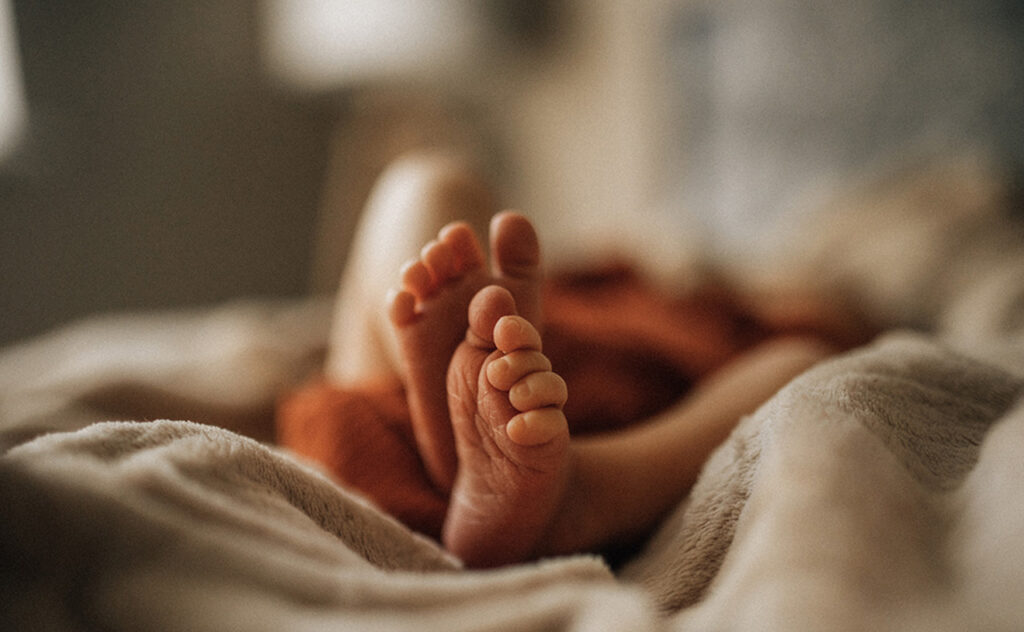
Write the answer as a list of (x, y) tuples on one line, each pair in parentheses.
[(881, 490)]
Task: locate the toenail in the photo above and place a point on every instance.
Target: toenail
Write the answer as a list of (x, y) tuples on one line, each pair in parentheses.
[(520, 390), (516, 326), (536, 426), (497, 372), (512, 333)]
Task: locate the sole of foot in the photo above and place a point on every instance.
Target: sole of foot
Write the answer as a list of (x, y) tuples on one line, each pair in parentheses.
[(510, 433)]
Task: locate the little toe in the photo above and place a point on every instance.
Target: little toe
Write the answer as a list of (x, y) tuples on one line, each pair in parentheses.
[(416, 279), (439, 259), (504, 372), (515, 333), (514, 246), (538, 390), (465, 247), (488, 307), (536, 427), (401, 306)]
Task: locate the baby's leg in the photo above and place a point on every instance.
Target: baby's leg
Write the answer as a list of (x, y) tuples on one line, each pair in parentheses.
[(429, 315), (411, 201), (511, 435), (623, 483)]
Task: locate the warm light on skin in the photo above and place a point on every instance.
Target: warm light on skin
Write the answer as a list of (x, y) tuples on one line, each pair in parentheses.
[(13, 109)]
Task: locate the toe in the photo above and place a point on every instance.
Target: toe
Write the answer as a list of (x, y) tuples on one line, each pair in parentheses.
[(488, 306), (515, 333), (537, 426), (401, 306), (514, 246), (465, 247), (538, 390), (439, 259), (416, 279), (504, 372)]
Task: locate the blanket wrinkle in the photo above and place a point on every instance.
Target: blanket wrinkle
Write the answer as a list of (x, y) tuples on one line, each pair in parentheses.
[(834, 461), (206, 473), (962, 396), (223, 366), (165, 557), (987, 530)]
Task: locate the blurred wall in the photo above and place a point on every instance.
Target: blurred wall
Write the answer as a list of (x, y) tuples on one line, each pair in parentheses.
[(783, 101), (161, 167)]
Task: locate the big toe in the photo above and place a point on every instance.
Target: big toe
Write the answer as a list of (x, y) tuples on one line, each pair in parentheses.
[(515, 247), (488, 306)]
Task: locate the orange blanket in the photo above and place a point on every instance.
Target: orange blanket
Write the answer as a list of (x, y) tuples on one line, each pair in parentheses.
[(625, 350)]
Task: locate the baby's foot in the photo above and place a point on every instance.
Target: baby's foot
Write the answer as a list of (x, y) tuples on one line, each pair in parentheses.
[(429, 315), (511, 435), (413, 198)]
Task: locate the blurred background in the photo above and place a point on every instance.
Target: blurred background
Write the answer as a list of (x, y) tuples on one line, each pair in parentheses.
[(157, 154)]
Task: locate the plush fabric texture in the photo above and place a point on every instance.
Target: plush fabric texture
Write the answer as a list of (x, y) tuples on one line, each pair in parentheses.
[(880, 490)]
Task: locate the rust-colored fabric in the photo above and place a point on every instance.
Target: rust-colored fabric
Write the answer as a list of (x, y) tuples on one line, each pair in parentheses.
[(364, 439), (625, 350)]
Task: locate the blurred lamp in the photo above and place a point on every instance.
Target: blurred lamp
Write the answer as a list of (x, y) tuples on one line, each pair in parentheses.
[(323, 44)]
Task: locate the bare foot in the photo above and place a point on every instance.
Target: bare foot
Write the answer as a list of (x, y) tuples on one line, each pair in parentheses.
[(429, 315), (511, 435), (413, 198)]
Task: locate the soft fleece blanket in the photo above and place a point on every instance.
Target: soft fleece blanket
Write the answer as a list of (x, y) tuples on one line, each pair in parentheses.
[(883, 489)]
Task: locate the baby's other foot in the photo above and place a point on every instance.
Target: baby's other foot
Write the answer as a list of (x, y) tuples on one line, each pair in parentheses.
[(510, 433), (429, 316)]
